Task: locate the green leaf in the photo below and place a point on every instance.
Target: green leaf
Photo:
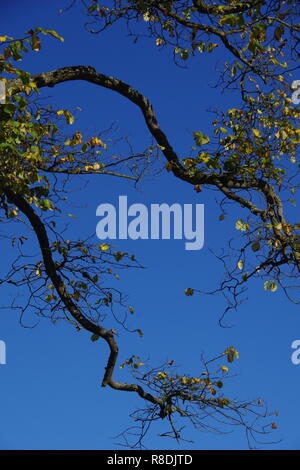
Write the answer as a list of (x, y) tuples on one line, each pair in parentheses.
[(46, 204), (266, 285), (256, 246), (273, 286), (200, 139), (230, 356), (282, 64), (201, 46), (270, 285), (54, 34), (184, 54), (69, 117), (95, 337)]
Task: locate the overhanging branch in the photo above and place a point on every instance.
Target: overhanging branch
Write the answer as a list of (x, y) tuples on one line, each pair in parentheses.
[(227, 183), (51, 270)]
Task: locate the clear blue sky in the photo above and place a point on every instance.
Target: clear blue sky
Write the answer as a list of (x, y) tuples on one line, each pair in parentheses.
[(50, 391)]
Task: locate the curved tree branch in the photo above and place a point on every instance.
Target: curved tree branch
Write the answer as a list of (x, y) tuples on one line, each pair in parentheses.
[(226, 182), (51, 271), (229, 184)]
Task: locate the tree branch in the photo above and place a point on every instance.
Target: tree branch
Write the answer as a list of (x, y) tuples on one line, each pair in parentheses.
[(51, 271), (226, 182)]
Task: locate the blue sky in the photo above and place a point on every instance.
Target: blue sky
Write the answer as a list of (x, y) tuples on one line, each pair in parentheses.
[(50, 387)]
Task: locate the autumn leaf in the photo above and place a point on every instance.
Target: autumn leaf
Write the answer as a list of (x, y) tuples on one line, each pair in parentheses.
[(104, 247), (189, 291), (96, 141), (240, 225)]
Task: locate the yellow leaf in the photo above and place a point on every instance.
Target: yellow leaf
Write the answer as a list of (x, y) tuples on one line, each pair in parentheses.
[(240, 225), (54, 34), (96, 141), (77, 138), (12, 213), (162, 375), (104, 247), (256, 132)]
